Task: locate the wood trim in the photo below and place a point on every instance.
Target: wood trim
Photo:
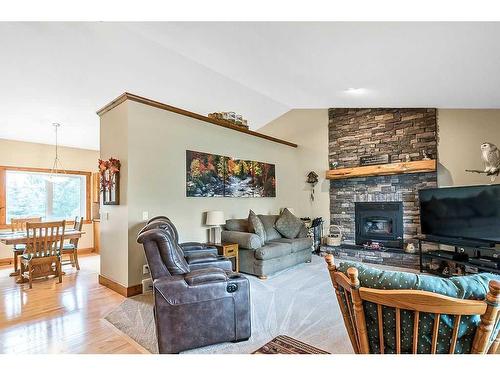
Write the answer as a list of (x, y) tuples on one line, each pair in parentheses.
[(153, 103), (423, 301), (6, 261), (419, 166), (85, 251), (120, 289), (3, 169)]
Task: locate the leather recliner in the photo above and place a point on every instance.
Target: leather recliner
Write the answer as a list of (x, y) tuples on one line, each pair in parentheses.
[(187, 247), (201, 258), (193, 308)]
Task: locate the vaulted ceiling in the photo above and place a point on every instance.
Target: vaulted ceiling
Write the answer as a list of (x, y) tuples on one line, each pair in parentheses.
[(63, 72)]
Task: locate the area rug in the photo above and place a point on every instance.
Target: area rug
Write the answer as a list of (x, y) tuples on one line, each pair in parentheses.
[(299, 303), (288, 345)]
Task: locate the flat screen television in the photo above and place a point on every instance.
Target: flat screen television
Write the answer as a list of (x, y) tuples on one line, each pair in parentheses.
[(468, 213)]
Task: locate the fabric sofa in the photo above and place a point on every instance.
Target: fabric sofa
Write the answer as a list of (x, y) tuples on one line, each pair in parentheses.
[(266, 258)]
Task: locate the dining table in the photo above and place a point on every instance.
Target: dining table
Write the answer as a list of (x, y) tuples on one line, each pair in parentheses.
[(21, 238)]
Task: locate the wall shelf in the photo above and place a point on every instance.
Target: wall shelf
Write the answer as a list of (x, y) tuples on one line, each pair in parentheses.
[(153, 103), (420, 166)]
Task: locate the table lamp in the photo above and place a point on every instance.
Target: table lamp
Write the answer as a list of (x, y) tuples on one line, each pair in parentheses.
[(215, 219)]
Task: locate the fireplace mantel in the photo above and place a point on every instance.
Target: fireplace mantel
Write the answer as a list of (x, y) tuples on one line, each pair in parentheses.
[(420, 166)]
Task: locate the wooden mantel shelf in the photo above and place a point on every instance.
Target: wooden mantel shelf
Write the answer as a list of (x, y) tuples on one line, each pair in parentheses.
[(420, 166), (153, 103)]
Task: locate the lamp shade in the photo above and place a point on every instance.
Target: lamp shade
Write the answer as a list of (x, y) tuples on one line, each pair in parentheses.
[(215, 218)]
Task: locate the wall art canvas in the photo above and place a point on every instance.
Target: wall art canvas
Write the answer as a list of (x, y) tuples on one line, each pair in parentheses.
[(239, 178), (210, 175), (264, 179), (204, 174)]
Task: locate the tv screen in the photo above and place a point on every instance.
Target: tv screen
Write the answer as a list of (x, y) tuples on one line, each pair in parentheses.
[(469, 212)]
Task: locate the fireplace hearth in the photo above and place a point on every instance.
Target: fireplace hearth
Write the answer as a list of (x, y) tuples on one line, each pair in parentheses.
[(380, 222)]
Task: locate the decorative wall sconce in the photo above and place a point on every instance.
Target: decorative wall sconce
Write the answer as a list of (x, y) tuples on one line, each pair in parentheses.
[(109, 171)]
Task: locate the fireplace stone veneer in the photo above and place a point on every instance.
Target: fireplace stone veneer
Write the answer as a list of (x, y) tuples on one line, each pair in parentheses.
[(399, 132)]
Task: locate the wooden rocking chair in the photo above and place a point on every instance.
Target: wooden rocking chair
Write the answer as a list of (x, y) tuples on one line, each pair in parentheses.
[(42, 256), (351, 298)]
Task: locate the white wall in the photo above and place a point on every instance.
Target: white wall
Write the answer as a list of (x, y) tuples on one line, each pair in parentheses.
[(155, 180), (36, 155), (309, 129), (461, 132), (114, 219)]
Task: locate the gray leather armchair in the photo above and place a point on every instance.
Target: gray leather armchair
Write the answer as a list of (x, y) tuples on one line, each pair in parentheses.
[(193, 307), (187, 247), (200, 258)]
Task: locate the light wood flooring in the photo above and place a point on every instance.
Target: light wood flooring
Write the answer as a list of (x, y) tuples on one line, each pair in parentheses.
[(61, 318)]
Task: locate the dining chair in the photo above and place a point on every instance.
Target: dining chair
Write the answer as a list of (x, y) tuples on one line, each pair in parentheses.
[(71, 248), (19, 225), (42, 256)]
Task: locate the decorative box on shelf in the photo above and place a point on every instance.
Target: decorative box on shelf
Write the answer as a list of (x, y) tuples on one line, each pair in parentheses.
[(231, 118)]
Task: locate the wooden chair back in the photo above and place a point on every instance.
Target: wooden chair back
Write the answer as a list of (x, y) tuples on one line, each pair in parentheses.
[(19, 224), (77, 225), (351, 297), (45, 239)]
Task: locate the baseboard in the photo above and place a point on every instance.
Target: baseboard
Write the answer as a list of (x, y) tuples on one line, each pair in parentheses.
[(87, 250), (6, 261), (120, 289)]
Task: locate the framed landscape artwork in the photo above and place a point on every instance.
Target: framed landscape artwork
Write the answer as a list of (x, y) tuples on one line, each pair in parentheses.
[(210, 175)]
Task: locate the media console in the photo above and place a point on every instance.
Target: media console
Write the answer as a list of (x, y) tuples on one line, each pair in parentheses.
[(464, 258)]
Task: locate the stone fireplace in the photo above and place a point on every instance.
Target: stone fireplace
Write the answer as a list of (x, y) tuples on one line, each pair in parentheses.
[(401, 133)]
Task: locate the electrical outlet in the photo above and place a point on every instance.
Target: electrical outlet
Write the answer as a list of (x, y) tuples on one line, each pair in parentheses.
[(147, 285), (145, 215), (145, 269)]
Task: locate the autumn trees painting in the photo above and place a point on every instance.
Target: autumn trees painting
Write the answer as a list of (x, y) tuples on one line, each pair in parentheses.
[(209, 175)]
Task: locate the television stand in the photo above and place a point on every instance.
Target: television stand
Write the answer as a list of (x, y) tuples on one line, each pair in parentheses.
[(458, 262)]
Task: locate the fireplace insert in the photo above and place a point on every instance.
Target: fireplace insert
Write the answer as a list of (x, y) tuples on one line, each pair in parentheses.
[(380, 222)]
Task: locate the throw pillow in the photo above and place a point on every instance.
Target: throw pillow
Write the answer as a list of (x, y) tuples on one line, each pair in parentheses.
[(288, 224), (256, 226)]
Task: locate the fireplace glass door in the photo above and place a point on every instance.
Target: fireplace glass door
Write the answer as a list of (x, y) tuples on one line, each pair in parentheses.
[(378, 225), (380, 222)]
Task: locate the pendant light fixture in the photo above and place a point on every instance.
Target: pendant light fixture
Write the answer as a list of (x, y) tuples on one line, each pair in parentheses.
[(57, 168)]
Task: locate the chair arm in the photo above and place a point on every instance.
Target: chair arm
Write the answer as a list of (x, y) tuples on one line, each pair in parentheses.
[(194, 248), (220, 262), (174, 290), (244, 240), (195, 258), (205, 275)]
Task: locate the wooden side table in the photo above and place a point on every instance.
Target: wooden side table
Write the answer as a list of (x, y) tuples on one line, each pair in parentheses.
[(229, 250)]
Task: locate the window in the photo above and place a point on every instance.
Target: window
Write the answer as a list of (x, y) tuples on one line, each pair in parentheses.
[(33, 192)]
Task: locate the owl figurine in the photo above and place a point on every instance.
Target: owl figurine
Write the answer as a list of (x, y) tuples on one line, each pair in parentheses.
[(491, 158)]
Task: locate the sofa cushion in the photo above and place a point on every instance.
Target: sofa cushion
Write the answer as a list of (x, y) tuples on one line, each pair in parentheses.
[(303, 232), (269, 221), (297, 244), (273, 250), (465, 287), (237, 225), (288, 224), (256, 226)]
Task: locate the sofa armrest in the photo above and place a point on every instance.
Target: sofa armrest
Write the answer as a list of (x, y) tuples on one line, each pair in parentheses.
[(205, 275), (244, 240)]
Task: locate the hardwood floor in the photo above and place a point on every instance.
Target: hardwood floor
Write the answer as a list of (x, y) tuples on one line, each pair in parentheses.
[(61, 318)]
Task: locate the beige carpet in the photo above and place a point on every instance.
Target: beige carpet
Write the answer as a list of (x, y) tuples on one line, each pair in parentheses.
[(298, 302)]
